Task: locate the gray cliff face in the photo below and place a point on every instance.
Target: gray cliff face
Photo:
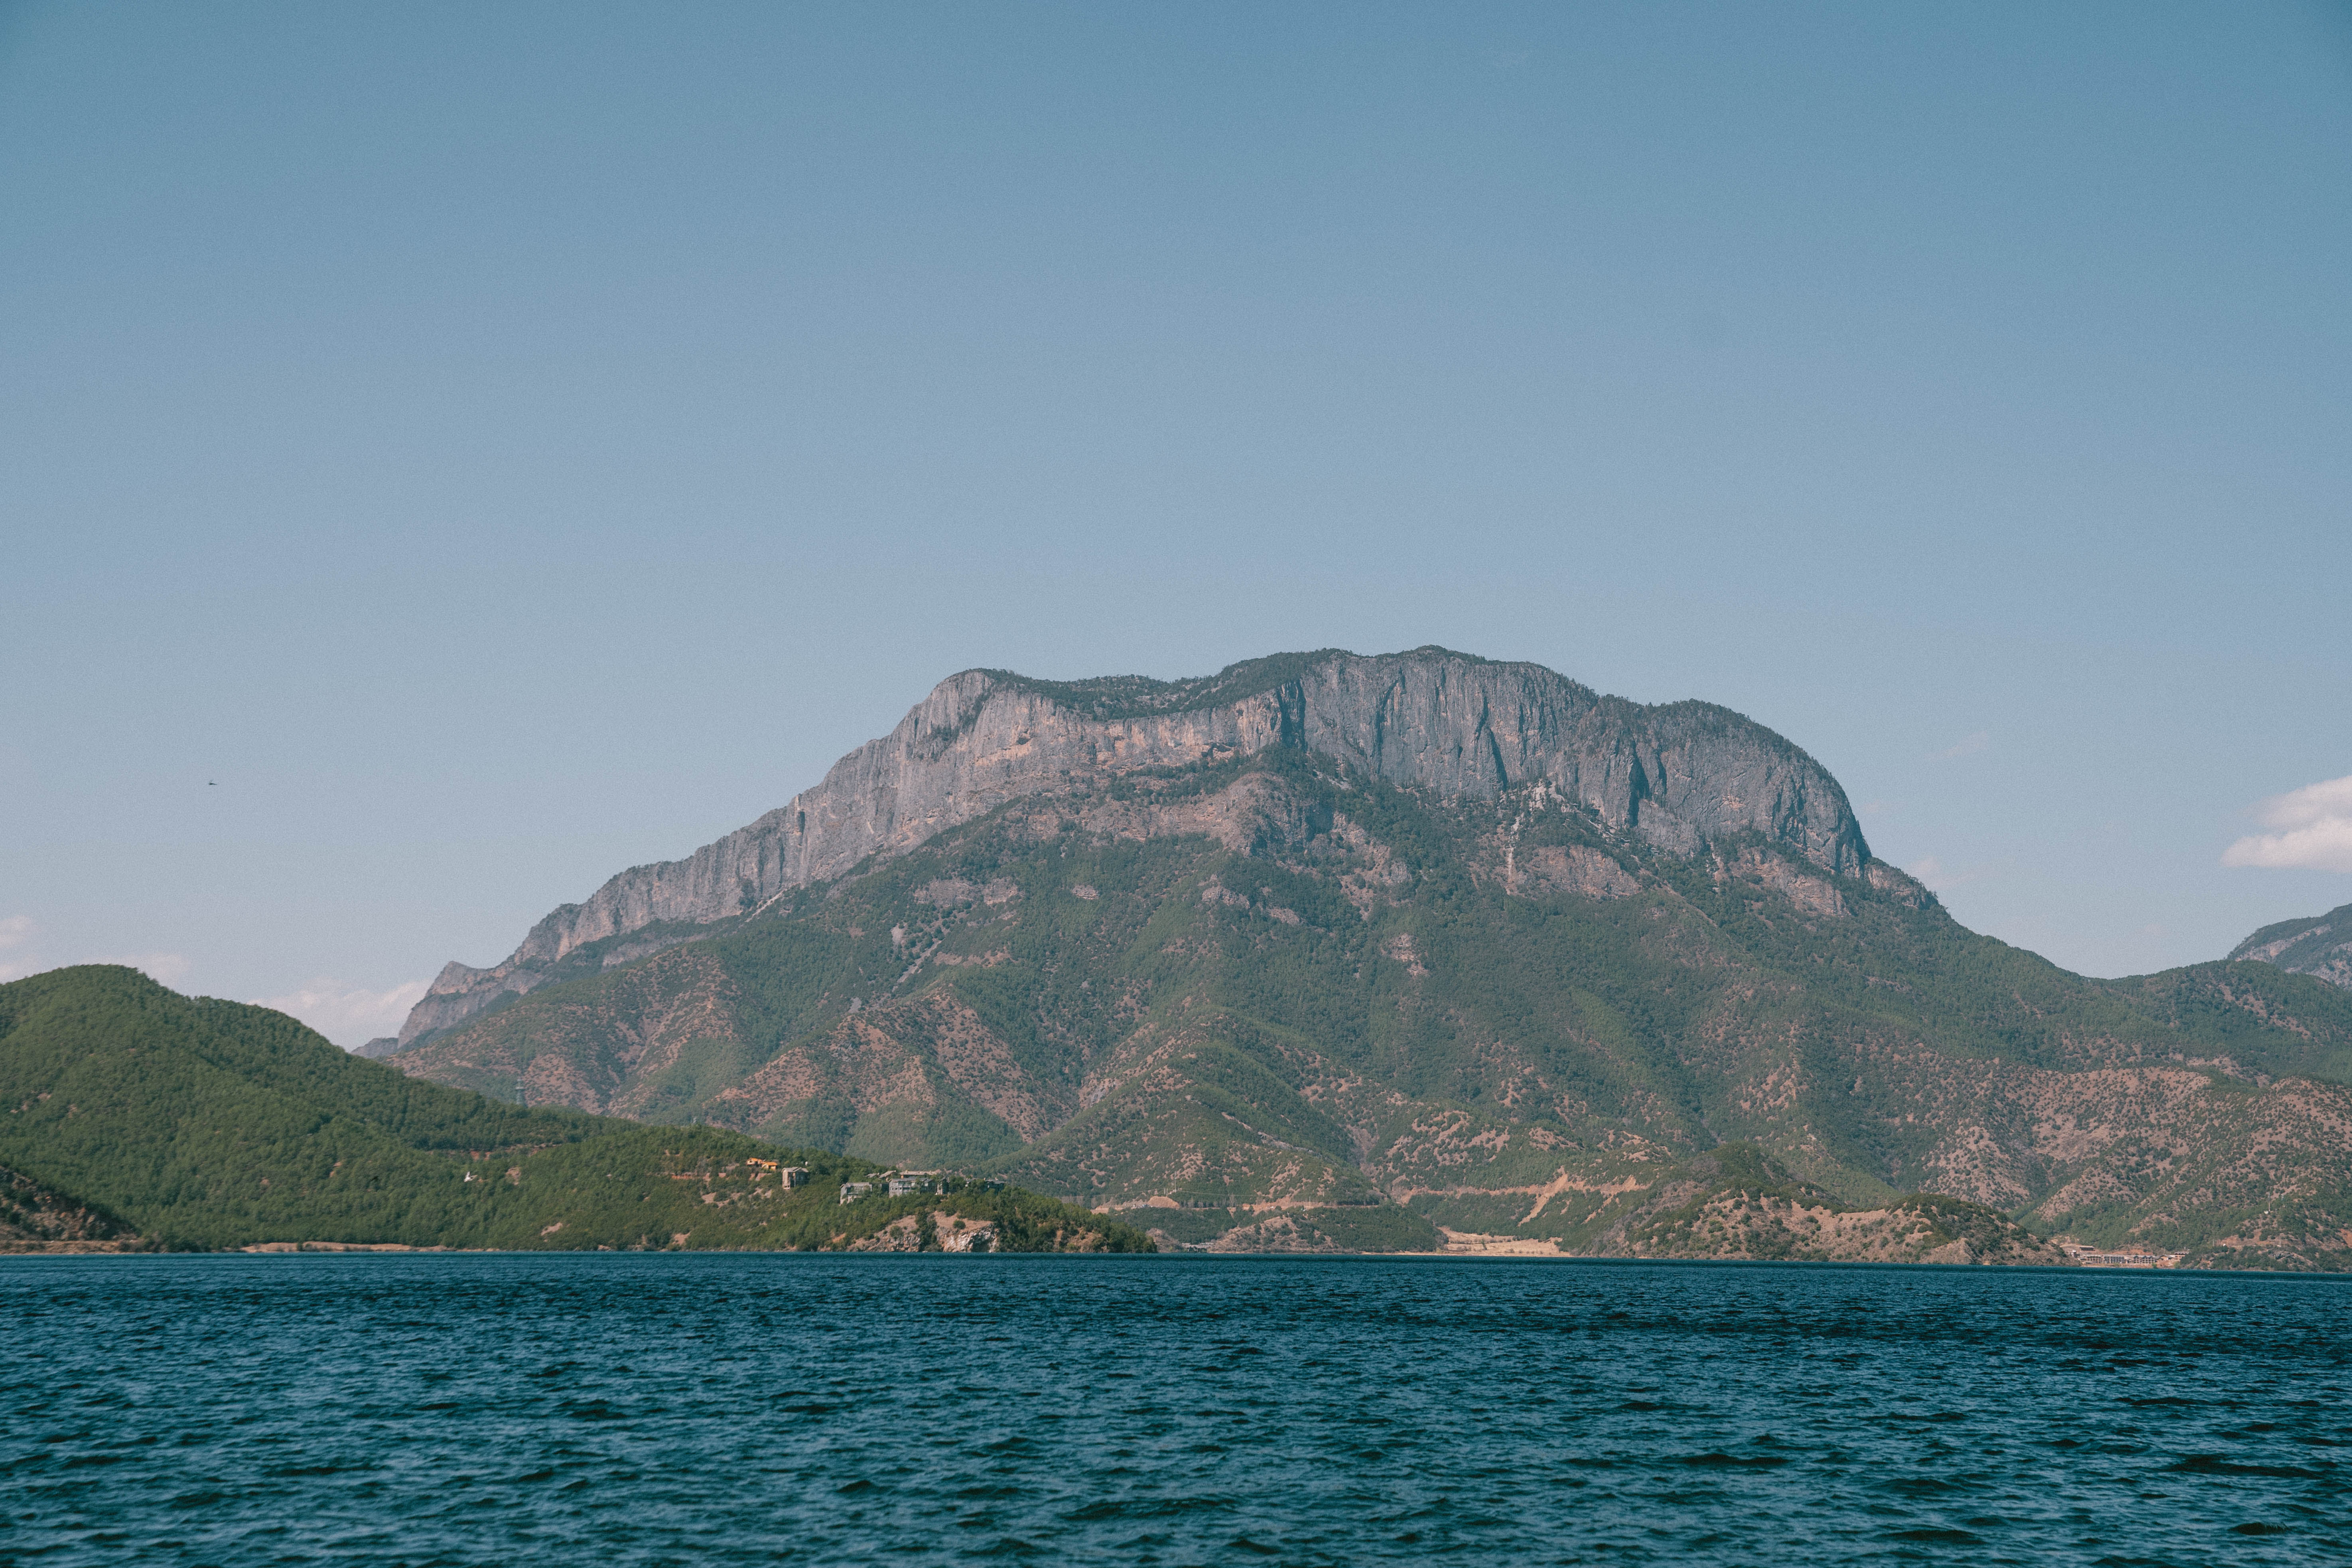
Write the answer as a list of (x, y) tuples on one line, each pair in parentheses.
[(1677, 775), (2320, 946)]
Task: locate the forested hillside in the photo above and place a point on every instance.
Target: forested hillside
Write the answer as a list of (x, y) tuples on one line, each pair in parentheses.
[(206, 1123)]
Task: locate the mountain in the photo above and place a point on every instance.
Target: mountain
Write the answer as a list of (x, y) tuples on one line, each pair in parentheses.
[(187, 1122), (1449, 722), (2320, 946), (1329, 950)]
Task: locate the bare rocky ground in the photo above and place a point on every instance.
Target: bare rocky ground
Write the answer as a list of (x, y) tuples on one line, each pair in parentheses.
[(33, 1218)]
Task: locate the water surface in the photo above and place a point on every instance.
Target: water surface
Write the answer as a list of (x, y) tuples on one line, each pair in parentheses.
[(624, 1409)]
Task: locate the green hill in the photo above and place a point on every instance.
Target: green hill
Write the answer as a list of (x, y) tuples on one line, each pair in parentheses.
[(205, 1123)]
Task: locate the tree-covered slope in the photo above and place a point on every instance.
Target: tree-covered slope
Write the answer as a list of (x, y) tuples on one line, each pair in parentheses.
[(209, 1124), (1276, 986)]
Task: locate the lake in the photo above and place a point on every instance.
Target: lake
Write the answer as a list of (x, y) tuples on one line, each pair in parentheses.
[(700, 1409)]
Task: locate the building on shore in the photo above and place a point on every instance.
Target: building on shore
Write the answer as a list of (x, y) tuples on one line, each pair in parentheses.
[(2101, 1257)]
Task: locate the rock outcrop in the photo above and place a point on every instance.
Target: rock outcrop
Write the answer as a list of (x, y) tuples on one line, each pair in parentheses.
[(1678, 775), (2320, 946), (1737, 1202), (36, 1217)]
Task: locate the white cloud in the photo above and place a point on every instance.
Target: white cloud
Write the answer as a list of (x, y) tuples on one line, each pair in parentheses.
[(1937, 878), (16, 932), (168, 968), (1968, 748), (348, 1015), (2315, 830), (164, 968)]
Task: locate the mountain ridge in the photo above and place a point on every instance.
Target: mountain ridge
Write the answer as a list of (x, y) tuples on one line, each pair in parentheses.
[(1431, 717), (2317, 945)]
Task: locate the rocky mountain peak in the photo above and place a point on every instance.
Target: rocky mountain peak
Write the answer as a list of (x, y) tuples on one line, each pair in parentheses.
[(2317, 945), (1676, 776)]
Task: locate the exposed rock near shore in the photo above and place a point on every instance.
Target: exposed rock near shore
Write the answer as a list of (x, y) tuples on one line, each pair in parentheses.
[(38, 1218), (1736, 1202)]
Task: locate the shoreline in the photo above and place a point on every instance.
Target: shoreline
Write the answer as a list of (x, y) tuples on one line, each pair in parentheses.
[(327, 1248)]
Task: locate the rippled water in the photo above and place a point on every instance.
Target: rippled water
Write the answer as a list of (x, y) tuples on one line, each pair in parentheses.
[(682, 1408)]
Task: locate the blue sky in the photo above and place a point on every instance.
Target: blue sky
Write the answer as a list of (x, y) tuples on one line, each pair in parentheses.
[(503, 445)]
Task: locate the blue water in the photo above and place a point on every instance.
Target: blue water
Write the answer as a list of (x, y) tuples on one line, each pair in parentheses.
[(614, 1409)]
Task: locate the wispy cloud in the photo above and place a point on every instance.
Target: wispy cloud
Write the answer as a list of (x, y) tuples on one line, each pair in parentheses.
[(165, 968), (348, 1015), (15, 932), (1932, 874), (1967, 748), (2313, 830)]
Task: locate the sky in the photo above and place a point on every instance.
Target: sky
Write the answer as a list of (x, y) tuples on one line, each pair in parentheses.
[(449, 453)]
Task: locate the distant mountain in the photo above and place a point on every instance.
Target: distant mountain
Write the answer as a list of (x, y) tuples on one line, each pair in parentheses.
[(2320, 946), (134, 1111), (1325, 952)]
